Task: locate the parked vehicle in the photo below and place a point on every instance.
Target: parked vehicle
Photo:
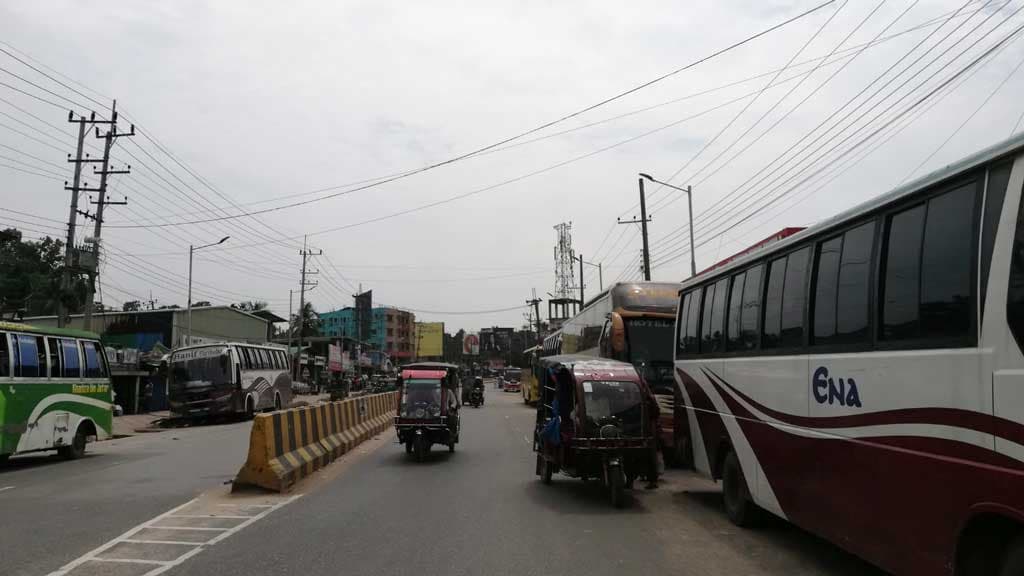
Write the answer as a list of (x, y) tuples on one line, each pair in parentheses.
[(512, 386), (428, 407), (595, 419), (863, 378), (228, 378), (55, 391)]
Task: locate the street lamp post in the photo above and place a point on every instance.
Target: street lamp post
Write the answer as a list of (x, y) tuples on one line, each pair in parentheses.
[(191, 249), (689, 201)]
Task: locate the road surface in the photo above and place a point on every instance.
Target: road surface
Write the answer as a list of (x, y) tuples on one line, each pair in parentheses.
[(477, 511)]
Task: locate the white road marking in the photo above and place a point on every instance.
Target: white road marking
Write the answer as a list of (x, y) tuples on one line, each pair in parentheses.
[(160, 566), (6, 488)]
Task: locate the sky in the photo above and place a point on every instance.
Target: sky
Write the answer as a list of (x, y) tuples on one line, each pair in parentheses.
[(253, 106)]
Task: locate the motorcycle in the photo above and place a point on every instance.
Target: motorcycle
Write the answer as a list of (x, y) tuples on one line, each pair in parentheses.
[(476, 397)]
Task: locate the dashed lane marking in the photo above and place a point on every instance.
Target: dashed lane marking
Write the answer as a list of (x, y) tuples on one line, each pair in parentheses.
[(6, 488), (173, 537)]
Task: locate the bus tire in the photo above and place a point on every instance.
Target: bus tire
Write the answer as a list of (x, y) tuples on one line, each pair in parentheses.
[(277, 401), (250, 408), (738, 506), (76, 449), (1013, 559)]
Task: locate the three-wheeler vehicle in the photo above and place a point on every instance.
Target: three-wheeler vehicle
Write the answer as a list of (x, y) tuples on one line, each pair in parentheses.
[(428, 407), (596, 419)]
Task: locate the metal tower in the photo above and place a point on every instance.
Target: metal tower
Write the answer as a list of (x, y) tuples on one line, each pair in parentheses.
[(565, 262)]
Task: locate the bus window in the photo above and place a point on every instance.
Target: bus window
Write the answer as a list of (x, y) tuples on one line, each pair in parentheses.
[(264, 358), (93, 367), (717, 342), (735, 307), (29, 361), (684, 314), (854, 287), (1015, 290), (282, 360), (72, 364), (5, 356), (55, 364), (247, 364), (794, 297), (825, 289), (709, 296), (693, 323), (946, 264), (751, 307), (773, 303), (902, 274)]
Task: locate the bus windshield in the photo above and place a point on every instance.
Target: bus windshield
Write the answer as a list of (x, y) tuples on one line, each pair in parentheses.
[(650, 340), (200, 368)]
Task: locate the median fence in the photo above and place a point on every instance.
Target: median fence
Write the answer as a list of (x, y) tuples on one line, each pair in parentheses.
[(287, 445)]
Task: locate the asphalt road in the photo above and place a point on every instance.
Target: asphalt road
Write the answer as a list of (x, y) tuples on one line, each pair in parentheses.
[(481, 510), (52, 511)]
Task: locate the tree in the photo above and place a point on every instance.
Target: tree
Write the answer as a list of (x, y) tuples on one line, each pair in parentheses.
[(310, 321), (132, 306), (31, 278), (201, 304), (169, 307), (250, 306)]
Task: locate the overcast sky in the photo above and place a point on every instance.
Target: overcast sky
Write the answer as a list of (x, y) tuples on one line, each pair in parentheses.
[(267, 102)]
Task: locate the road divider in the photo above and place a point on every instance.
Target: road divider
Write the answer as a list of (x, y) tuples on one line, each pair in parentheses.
[(290, 444)]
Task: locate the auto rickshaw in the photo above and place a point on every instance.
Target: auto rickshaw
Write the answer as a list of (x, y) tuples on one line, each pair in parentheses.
[(596, 419), (428, 407)]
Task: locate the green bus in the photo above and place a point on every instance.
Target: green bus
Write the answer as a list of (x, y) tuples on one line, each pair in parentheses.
[(55, 391)]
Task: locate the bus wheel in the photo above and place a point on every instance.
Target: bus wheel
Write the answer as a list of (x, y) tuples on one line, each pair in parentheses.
[(1013, 560), (77, 447), (277, 402), (250, 408), (738, 507)]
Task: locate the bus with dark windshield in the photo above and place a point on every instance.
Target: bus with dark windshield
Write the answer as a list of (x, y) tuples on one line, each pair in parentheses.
[(633, 322), (228, 378)]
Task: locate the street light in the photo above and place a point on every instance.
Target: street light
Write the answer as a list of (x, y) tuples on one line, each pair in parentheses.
[(689, 200), (192, 249)]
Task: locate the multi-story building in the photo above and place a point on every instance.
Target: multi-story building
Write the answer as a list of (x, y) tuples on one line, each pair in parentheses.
[(391, 329)]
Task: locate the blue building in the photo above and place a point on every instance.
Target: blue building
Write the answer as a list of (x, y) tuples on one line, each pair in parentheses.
[(391, 330)]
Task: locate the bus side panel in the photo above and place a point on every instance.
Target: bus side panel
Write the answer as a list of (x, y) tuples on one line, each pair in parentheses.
[(50, 412), (706, 426)]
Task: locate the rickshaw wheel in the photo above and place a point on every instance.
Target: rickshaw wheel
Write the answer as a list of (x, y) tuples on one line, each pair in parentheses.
[(451, 446), (547, 472), (617, 488), (420, 448), (408, 447)]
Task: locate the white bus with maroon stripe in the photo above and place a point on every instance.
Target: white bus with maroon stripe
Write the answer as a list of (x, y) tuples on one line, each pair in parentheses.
[(864, 378)]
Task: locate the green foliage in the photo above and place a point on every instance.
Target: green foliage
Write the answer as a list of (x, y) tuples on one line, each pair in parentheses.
[(310, 321), (250, 306), (30, 276)]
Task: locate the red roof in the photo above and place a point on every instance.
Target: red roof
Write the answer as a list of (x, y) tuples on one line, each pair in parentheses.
[(781, 234), (424, 374)]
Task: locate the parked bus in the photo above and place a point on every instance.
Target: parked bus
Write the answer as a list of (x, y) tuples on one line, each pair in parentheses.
[(864, 379), (55, 390), (228, 378), (633, 322)]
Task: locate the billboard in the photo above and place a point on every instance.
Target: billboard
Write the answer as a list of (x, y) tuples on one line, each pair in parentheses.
[(429, 339), (364, 315), (334, 363), (471, 345)]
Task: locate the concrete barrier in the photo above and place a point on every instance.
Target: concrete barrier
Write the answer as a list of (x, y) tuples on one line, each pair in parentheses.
[(287, 445)]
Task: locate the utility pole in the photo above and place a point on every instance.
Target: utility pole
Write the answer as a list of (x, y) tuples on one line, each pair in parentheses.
[(302, 298), (643, 229), (535, 302), (689, 202), (581, 281), (103, 201), (69, 246)]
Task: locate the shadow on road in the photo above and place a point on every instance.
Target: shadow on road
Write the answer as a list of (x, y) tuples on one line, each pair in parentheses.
[(572, 496), (437, 456), (775, 532), (28, 461)]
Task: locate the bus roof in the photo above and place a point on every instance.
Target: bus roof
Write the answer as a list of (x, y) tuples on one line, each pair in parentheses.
[(1004, 148), (66, 332), (641, 296)]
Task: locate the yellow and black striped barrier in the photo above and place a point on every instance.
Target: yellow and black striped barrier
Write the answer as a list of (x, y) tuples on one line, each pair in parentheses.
[(287, 445)]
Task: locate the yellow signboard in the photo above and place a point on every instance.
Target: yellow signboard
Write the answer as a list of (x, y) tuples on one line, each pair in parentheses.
[(429, 339)]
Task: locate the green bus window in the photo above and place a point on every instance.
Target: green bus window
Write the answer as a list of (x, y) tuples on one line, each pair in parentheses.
[(5, 357), (54, 349), (26, 363), (92, 360), (72, 365)]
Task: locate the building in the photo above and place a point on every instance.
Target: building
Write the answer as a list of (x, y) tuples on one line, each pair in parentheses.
[(391, 330), (143, 329)]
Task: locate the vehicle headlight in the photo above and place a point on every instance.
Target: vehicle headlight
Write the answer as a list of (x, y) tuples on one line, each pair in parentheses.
[(435, 410), (420, 413)]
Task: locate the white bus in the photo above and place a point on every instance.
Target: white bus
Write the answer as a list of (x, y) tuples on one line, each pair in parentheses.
[(864, 379), (228, 378)]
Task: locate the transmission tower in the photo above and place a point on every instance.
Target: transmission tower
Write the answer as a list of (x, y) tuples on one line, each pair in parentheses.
[(565, 262)]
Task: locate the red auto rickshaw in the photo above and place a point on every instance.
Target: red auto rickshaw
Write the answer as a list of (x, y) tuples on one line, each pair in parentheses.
[(428, 407)]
